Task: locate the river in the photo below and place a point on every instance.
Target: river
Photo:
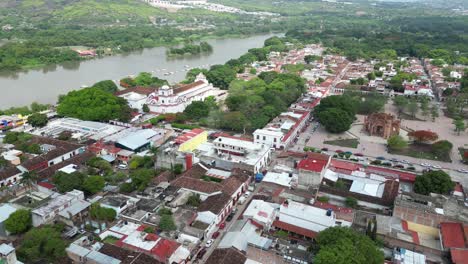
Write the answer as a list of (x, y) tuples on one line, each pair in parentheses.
[(46, 84)]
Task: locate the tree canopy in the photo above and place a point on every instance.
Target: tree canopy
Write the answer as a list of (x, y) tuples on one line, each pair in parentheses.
[(67, 182), (433, 182), (37, 120), (106, 86), (93, 184), (100, 213), (342, 245), (423, 136), (397, 142), (42, 244), (95, 105), (221, 76), (19, 221), (336, 113)]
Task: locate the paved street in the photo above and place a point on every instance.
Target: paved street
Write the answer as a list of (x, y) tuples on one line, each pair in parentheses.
[(240, 210), (373, 150)]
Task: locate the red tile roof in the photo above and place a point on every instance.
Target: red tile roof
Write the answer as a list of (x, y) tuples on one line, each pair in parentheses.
[(189, 135), (187, 87), (138, 90), (294, 229), (312, 164), (344, 165), (452, 235), (164, 249), (459, 256), (47, 185)]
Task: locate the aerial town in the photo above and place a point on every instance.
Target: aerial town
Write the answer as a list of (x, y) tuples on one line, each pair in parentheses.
[(233, 132), (151, 190)]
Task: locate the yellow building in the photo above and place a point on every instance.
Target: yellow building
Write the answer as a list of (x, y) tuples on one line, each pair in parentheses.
[(191, 140)]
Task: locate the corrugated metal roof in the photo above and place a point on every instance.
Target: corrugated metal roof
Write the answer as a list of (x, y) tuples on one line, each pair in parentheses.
[(137, 139)]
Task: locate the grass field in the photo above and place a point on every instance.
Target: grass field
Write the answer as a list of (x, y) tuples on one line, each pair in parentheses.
[(346, 143), (421, 151)]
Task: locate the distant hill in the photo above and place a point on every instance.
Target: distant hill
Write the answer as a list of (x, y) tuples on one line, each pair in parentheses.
[(77, 12)]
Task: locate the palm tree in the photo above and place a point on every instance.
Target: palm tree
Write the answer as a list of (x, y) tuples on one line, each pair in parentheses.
[(28, 179)]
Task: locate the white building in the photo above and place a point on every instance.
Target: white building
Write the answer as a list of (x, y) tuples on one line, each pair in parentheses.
[(231, 152), (304, 219), (174, 100), (8, 255), (136, 97), (48, 212), (282, 130), (118, 202), (455, 74), (261, 212)]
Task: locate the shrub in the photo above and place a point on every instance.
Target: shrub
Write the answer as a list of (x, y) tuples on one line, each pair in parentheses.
[(323, 199)]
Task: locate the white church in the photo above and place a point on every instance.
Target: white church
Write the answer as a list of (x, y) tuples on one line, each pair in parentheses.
[(172, 100)]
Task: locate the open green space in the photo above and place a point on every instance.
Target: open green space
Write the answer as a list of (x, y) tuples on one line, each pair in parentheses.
[(346, 143), (421, 151), (110, 240)]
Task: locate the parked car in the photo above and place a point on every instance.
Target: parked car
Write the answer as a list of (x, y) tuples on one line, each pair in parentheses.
[(215, 235), (246, 194), (399, 166), (324, 149), (380, 158), (425, 164), (358, 154), (222, 225), (462, 170), (209, 243), (229, 217), (122, 166), (201, 253), (436, 167)]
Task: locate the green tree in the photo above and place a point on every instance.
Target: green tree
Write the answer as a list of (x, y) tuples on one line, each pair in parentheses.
[(311, 58), (433, 182), (397, 142), (192, 74), (335, 120), (178, 169), (19, 222), (194, 200), (3, 162), (95, 105), (351, 202), (67, 182), (413, 108), (93, 184), (442, 148), (37, 120), (459, 125), (342, 245), (106, 86), (145, 108), (98, 212), (197, 110), (36, 107), (28, 179), (126, 187), (221, 76), (434, 112), (43, 244), (166, 223)]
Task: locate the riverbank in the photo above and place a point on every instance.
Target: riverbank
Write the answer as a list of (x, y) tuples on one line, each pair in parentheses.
[(44, 85), (103, 52)]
